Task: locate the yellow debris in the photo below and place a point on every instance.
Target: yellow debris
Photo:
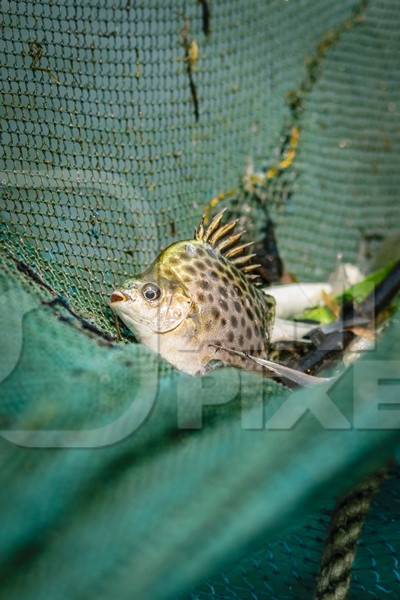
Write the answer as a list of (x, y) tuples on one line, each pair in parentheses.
[(271, 173), (288, 160), (193, 53), (216, 200)]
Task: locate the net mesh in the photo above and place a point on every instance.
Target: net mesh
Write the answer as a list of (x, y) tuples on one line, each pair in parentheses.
[(103, 160), (115, 136)]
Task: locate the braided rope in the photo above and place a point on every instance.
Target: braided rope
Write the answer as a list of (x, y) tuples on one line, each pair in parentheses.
[(344, 532)]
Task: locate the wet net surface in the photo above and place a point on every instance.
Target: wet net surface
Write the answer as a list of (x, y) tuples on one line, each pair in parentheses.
[(115, 136)]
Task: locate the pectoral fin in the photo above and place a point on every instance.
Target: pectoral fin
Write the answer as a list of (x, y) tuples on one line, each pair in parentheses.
[(297, 377)]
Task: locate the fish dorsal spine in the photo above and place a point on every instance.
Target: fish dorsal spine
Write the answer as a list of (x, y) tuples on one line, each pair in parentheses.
[(223, 238)]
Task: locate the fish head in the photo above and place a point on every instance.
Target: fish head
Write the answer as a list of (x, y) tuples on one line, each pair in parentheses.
[(152, 303)]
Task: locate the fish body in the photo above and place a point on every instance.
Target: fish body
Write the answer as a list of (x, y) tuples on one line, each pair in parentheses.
[(199, 300)]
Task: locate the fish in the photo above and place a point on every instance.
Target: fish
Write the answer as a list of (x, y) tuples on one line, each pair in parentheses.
[(200, 305)]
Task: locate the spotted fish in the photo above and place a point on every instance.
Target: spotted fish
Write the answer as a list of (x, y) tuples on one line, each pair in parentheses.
[(199, 305)]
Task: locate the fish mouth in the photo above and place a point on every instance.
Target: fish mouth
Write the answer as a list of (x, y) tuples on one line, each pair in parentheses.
[(117, 297)]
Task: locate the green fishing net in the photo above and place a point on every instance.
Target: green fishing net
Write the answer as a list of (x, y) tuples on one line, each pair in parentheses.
[(120, 121)]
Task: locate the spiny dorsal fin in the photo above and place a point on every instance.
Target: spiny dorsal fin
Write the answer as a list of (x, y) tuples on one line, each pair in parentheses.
[(242, 260), (223, 239), (238, 250)]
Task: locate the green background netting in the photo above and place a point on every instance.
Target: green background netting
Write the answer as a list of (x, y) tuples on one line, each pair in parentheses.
[(102, 164)]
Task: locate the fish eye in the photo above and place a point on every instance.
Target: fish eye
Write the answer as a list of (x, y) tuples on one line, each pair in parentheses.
[(151, 292)]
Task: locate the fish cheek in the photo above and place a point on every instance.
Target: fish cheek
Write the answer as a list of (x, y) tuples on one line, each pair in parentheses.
[(172, 311)]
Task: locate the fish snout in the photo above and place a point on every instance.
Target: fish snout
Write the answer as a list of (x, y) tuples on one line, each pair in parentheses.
[(118, 296)]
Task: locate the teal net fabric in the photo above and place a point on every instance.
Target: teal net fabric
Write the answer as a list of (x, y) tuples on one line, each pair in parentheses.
[(288, 567), (103, 162)]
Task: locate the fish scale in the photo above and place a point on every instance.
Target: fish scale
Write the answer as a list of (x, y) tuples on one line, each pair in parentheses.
[(230, 311)]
